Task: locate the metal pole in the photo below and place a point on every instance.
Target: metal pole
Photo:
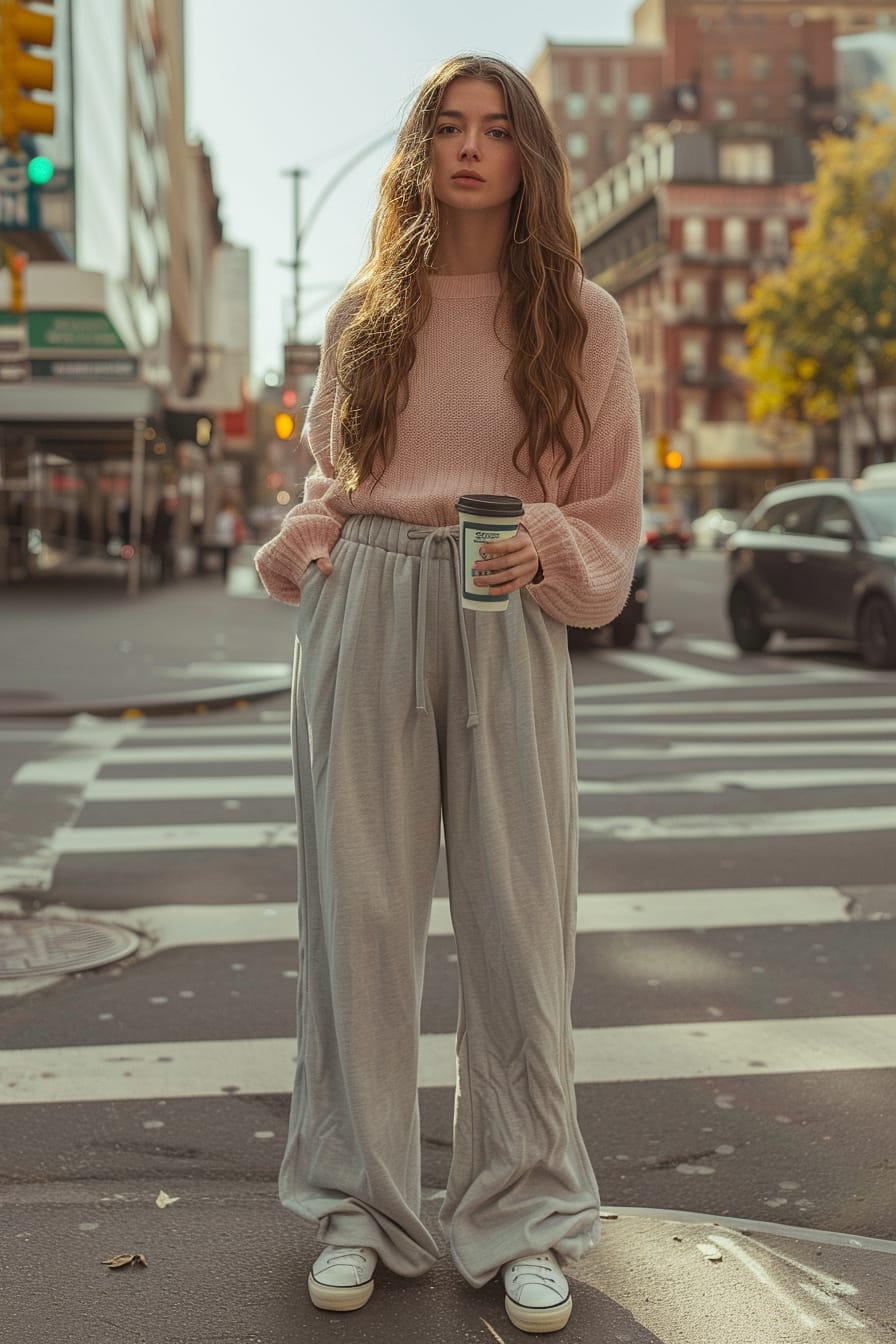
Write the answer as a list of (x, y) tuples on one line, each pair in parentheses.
[(137, 459)]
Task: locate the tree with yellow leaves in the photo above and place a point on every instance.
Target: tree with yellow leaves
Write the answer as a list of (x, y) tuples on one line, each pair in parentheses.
[(824, 329)]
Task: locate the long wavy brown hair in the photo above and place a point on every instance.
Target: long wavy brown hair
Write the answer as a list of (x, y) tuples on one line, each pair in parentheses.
[(539, 265)]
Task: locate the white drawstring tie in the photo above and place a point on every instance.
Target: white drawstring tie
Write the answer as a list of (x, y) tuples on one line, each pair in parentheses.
[(430, 535)]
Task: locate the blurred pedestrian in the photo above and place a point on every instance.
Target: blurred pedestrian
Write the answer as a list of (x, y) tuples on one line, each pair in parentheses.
[(230, 532), (161, 536), (469, 355)]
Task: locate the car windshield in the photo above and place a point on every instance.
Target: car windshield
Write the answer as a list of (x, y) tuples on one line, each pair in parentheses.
[(880, 507)]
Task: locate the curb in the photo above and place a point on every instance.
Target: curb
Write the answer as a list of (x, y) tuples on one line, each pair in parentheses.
[(198, 701)]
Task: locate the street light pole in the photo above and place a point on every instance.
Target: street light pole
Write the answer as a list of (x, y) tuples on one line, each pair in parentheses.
[(295, 265), (299, 231)]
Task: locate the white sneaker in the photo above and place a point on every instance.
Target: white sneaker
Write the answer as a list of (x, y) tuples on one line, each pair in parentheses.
[(536, 1294), (341, 1278)]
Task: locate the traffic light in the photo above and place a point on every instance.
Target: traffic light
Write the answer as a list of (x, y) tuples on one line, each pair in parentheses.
[(673, 460), (15, 263), (21, 72), (284, 425), (662, 448)]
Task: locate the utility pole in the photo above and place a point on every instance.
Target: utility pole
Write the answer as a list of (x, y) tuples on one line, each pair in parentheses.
[(296, 264), (299, 231)]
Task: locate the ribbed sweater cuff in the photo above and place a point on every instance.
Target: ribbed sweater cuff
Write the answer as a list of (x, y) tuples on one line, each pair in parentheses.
[(562, 592), (282, 561)]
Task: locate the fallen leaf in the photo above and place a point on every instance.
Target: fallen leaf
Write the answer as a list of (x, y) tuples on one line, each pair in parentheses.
[(120, 1261), (163, 1200), (710, 1252)]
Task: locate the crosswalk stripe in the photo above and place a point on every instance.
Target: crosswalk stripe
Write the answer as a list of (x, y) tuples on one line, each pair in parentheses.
[(733, 728), (668, 669), (170, 1069), (717, 781), (795, 679), (802, 704), (179, 788), (155, 839), (743, 825), (689, 751), (277, 835), (170, 926)]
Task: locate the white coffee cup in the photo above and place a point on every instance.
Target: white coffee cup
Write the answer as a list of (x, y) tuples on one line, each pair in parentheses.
[(484, 518)]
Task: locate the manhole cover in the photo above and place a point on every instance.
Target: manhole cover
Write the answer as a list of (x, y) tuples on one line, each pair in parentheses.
[(56, 946)]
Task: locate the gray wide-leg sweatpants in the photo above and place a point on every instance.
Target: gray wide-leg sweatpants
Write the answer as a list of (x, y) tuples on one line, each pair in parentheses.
[(408, 710)]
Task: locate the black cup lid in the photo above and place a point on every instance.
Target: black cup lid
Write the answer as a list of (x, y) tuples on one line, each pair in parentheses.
[(500, 506)]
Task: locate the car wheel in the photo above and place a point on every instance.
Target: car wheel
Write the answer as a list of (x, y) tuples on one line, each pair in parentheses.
[(749, 634), (624, 631), (877, 632)]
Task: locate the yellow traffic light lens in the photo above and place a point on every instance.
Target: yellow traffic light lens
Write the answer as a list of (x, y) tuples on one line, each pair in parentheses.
[(284, 425), (673, 460)]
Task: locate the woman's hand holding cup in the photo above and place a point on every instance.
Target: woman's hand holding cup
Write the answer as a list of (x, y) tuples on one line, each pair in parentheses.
[(507, 565)]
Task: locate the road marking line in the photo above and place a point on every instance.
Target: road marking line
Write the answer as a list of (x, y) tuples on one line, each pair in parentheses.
[(231, 671), (790, 705), (155, 839), (762, 1048), (180, 787), (681, 751), (718, 781), (212, 787), (733, 728), (667, 669), (278, 835), (744, 825), (795, 678), (168, 926), (197, 755)]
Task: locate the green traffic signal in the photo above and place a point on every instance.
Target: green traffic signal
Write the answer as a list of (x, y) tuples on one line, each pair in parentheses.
[(40, 171)]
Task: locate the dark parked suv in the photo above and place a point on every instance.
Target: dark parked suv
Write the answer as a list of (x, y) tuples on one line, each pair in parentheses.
[(818, 558)]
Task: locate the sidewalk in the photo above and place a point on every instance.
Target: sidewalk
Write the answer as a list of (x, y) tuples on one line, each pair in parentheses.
[(226, 1262), (77, 644)]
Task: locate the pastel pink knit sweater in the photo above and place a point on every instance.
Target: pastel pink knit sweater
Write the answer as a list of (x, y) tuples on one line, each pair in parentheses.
[(456, 436)]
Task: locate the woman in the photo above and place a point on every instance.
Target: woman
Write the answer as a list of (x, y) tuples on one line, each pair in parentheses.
[(468, 357)]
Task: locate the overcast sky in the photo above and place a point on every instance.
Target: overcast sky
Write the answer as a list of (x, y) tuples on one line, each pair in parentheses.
[(277, 84)]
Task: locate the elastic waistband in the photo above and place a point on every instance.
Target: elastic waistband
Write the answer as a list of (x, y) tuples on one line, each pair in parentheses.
[(391, 534)]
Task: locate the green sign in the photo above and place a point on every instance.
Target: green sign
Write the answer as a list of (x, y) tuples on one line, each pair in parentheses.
[(66, 331), (72, 331)]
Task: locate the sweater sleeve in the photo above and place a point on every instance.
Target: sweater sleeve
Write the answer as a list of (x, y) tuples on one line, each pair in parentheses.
[(311, 529), (588, 543)]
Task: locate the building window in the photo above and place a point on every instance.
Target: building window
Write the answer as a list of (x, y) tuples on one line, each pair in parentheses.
[(746, 162), (798, 63), (691, 413), (575, 106), (639, 106), (694, 236), (607, 146), (577, 145), (693, 298), (775, 241), (734, 294), (693, 358), (722, 67), (726, 109), (607, 104), (760, 65), (734, 237), (577, 179), (733, 349)]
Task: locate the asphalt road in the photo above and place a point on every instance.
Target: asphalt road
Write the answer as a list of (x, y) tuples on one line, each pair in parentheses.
[(735, 1003)]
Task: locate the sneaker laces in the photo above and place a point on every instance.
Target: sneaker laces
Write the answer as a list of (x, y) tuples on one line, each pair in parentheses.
[(336, 1255), (538, 1269)]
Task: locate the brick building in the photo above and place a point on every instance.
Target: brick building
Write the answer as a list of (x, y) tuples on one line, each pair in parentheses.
[(688, 153)]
